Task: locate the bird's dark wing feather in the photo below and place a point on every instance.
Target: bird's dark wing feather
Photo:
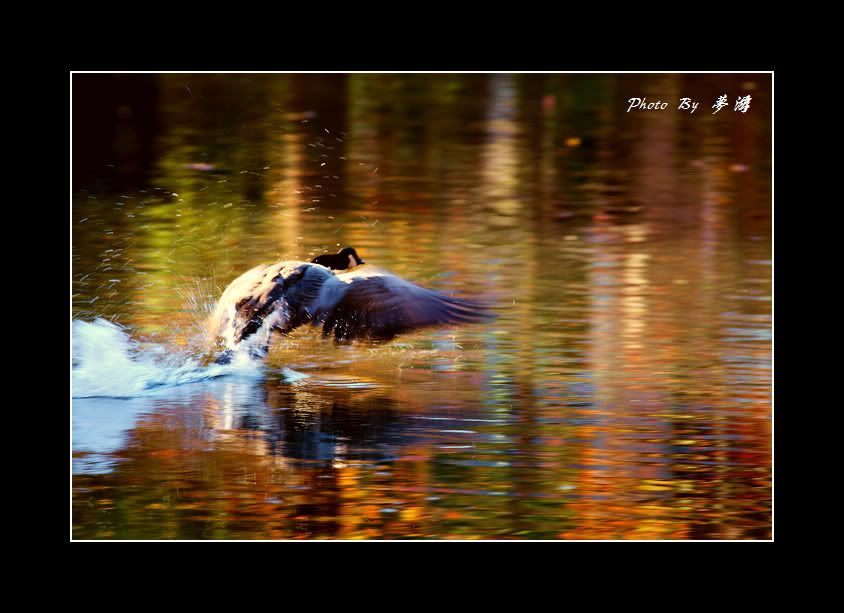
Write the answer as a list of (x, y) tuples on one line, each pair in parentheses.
[(380, 307)]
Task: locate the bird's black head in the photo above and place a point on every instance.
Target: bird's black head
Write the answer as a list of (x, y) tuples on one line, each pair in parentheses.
[(347, 258)]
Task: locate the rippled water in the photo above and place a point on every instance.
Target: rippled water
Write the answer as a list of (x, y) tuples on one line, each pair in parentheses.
[(623, 393)]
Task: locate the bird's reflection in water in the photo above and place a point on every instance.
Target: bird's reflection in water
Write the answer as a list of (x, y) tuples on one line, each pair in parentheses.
[(334, 423), (320, 418)]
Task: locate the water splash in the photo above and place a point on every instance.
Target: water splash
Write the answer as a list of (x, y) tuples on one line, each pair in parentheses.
[(107, 362)]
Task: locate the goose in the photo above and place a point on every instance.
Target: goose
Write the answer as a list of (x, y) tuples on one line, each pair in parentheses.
[(363, 303)]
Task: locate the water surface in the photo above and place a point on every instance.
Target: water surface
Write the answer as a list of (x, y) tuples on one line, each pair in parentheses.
[(624, 392)]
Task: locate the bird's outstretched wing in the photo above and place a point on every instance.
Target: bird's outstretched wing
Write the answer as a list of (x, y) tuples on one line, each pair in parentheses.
[(380, 305)]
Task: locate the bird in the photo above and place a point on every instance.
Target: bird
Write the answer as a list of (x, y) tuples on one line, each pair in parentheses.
[(346, 259), (364, 303)]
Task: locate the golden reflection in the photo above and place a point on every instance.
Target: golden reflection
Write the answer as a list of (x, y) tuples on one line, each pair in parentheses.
[(500, 158), (286, 195)]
